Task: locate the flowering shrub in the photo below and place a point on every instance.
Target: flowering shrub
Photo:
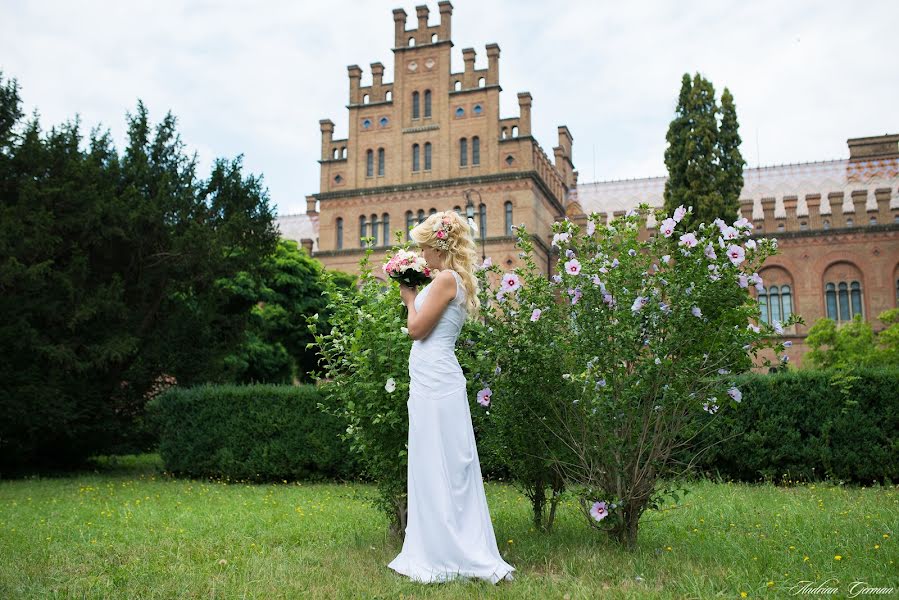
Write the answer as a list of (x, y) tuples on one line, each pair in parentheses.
[(646, 332), (364, 351), (515, 368)]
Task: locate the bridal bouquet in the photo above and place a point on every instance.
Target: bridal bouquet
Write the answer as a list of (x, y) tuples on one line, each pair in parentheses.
[(408, 268)]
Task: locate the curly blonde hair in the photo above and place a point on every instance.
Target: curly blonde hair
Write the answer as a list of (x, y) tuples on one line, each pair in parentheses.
[(460, 254)]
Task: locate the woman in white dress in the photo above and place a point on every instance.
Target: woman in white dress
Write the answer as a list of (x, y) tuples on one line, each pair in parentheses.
[(448, 529)]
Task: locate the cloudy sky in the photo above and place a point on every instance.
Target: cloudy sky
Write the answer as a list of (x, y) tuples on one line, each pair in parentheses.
[(255, 77)]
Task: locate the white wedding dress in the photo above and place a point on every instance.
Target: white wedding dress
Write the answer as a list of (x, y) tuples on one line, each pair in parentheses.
[(448, 529)]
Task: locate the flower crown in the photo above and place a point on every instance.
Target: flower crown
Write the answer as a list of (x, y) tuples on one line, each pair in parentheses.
[(443, 228)]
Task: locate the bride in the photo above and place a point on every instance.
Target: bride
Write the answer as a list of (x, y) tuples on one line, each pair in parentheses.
[(448, 529)]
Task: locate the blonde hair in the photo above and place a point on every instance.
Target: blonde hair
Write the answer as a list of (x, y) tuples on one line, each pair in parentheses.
[(460, 255)]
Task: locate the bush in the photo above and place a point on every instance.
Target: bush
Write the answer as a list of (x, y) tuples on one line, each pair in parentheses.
[(808, 425), (249, 432)]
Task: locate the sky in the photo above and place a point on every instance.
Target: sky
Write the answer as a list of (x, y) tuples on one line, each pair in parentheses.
[(254, 78)]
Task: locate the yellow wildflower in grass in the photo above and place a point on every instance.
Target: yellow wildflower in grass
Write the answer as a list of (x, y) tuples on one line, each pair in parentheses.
[(838, 557), (770, 584), (743, 594)]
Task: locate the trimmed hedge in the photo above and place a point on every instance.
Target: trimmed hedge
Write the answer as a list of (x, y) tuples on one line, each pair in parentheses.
[(258, 432), (807, 425)]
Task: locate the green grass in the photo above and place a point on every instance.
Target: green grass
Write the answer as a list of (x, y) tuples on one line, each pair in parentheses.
[(127, 530)]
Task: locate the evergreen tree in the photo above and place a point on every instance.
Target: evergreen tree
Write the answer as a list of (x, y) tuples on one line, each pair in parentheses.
[(112, 276), (705, 168)]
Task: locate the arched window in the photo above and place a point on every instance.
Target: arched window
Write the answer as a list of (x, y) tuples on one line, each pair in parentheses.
[(374, 229), (416, 151), (380, 162), (385, 223), (457, 85), (388, 95), (508, 217), (427, 156), (475, 150), (463, 152), (339, 233), (482, 209), (421, 215), (432, 211), (482, 81), (410, 223), (427, 104), (411, 41), (843, 300), (774, 304), (362, 231), (514, 131), (416, 108), (458, 209), (364, 98), (343, 152), (786, 301), (369, 163), (433, 38), (335, 153)]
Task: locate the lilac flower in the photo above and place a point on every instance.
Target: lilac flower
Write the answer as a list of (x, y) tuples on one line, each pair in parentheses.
[(754, 328), (497, 370), (788, 343), (743, 280), (689, 240), (710, 252), (599, 511), (778, 328), (608, 299), (484, 396), (743, 223), (735, 254), (560, 237), (689, 289), (665, 308), (663, 281), (696, 312), (658, 361), (729, 233), (785, 358), (536, 314), (710, 407), (632, 252), (511, 282), (750, 244), (723, 371), (569, 253), (734, 393), (575, 294), (591, 227), (679, 213), (597, 281), (639, 303), (719, 223), (557, 278), (603, 270), (615, 263), (573, 266), (390, 386), (630, 213), (600, 383), (667, 227), (500, 296), (666, 258), (487, 262)]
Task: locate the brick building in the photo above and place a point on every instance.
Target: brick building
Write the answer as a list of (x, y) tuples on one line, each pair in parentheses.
[(427, 141), (432, 139)]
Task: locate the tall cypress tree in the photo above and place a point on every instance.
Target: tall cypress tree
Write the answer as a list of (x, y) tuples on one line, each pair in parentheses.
[(705, 168), (730, 159)]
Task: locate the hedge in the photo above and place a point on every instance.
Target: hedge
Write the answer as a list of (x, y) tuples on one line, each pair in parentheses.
[(807, 425), (258, 432)]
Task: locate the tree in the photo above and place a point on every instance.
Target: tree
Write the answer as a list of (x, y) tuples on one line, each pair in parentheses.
[(705, 167), (854, 344), (111, 278), (288, 290)]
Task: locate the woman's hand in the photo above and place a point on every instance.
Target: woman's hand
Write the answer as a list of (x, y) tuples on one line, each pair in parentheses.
[(408, 293)]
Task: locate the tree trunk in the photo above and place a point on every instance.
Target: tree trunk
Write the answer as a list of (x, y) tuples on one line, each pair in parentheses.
[(626, 531)]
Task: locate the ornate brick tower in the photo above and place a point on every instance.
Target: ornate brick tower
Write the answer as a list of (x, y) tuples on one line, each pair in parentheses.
[(428, 141)]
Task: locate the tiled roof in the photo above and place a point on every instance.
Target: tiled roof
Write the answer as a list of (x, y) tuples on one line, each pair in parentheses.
[(299, 226), (777, 181)]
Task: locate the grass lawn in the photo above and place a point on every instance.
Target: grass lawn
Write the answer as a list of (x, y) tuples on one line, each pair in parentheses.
[(128, 530)]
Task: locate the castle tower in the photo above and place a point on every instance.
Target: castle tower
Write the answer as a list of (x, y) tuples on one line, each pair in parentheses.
[(416, 144)]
